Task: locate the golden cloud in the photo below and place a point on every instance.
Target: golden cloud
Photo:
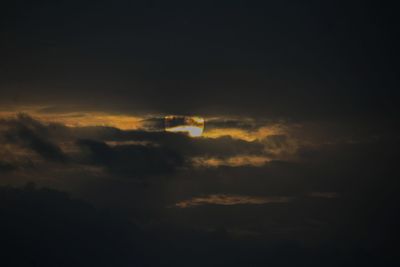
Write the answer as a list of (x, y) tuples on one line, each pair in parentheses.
[(246, 135), (228, 200), (81, 119), (193, 126), (235, 161)]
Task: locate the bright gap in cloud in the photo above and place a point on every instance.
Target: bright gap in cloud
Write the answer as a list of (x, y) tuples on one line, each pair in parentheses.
[(193, 126)]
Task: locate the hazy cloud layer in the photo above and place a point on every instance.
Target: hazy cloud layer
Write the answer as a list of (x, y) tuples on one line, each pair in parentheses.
[(151, 151), (297, 164), (227, 200), (336, 195)]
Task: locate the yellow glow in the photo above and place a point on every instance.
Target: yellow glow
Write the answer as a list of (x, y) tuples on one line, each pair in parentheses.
[(123, 122), (249, 136), (193, 126), (83, 119), (193, 131), (236, 161)]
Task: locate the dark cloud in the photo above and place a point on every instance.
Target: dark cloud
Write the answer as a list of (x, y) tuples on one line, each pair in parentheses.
[(5, 167), (245, 124), (43, 227), (155, 152), (330, 68), (98, 133), (132, 160), (280, 145), (69, 232), (343, 198), (31, 134), (225, 146), (154, 124), (352, 209)]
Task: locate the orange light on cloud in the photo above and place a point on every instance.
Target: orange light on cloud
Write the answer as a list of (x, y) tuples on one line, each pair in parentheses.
[(228, 200), (236, 161), (193, 126), (84, 119), (246, 135)]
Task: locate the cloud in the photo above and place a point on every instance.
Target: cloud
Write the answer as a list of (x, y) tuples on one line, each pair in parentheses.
[(124, 152), (189, 147), (228, 200), (6, 167), (44, 227), (233, 123), (131, 160), (73, 118), (245, 134), (340, 193), (31, 134), (154, 123), (69, 232), (234, 161)]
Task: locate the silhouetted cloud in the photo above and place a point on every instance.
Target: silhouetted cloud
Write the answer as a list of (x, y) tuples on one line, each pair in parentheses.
[(301, 106), (228, 200), (68, 232), (5, 167), (31, 134), (238, 123), (132, 160), (276, 206), (43, 227), (126, 152)]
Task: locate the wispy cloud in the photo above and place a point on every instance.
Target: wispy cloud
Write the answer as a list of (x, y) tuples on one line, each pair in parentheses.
[(235, 161), (228, 200)]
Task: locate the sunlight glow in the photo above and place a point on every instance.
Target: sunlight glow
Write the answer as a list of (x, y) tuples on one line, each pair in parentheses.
[(193, 126)]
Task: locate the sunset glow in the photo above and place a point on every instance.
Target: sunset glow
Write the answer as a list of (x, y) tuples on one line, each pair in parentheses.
[(199, 133), (193, 126)]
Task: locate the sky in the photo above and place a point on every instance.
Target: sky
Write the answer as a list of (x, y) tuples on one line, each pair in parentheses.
[(199, 133)]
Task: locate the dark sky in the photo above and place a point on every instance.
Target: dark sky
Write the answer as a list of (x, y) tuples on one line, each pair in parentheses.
[(277, 58), (297, 164)]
